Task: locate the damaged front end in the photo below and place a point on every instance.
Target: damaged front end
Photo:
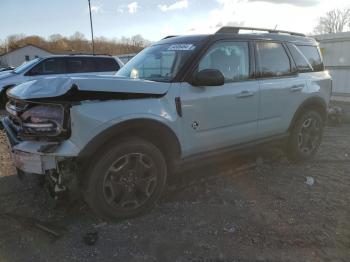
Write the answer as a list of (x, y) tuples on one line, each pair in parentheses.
[(33, 120), (35, 131), (43, 135)]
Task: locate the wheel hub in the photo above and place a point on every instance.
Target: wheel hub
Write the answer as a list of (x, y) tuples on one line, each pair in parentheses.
[(309, 135), (130, 181)]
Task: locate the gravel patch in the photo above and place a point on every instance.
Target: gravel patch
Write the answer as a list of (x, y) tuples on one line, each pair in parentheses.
[(256, 209)]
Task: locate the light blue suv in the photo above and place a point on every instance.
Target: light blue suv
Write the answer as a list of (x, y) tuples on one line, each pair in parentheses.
[(116, 139)]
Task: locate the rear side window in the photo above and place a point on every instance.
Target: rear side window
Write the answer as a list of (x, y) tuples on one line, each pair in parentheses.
[(75, 65), (302, 63), (91, 64), (106, 65), (273, 60), (312, 54), (88, 64)]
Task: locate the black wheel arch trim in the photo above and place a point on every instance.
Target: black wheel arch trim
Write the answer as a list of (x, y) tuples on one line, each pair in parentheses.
[(316, 103), (153, 130), (5, 88)]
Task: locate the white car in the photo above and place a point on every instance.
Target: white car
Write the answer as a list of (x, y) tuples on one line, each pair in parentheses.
[(69, 65)]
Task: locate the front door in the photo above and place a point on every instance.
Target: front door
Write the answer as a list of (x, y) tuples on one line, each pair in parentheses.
[(221, 116), (54, 66)]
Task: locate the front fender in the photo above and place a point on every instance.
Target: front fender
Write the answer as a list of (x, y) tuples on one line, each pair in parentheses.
[(90, 119)]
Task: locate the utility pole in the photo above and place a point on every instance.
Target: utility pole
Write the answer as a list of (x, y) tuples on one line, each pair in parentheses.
[(92, 30)]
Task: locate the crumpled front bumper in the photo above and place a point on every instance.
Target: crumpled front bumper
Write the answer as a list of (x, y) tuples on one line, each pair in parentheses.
[(36, 157)]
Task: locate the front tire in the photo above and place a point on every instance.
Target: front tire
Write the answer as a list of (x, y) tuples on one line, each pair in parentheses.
[(126, 180), (3, 100), (305, 137)]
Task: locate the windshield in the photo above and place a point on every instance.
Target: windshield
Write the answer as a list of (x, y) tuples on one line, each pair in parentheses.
[(158, 63), (23, 67)]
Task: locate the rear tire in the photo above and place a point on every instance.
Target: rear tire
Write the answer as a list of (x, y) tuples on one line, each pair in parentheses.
[(305, 137), (126, 179)]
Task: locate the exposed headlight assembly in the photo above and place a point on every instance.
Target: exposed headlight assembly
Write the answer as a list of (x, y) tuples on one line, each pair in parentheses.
[(47, 120)]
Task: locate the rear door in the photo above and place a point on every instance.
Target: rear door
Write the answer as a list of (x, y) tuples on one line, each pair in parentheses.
[(106, 65), (91, 65), (281, 88)]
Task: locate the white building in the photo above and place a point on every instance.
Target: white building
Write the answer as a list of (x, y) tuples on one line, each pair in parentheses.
[(16, 57), (336, 53)]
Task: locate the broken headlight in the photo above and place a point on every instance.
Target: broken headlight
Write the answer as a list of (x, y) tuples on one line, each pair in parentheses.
[(45, 120)]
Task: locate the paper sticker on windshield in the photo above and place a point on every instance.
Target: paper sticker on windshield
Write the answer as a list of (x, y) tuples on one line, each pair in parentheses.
[(181, 47)]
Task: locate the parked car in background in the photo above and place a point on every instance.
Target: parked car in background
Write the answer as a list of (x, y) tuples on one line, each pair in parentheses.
[(183, 99), (125, 58), (67, 65)]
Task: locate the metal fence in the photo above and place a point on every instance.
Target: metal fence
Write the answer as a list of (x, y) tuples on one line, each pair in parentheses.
[(336, 53)]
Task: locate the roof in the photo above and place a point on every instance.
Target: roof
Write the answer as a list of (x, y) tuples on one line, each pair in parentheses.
[(183, 39), (80, 55), (26, 46), (126, 55)]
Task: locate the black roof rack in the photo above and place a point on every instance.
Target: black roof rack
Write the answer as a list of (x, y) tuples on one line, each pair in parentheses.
[(86, 54), (169, 36), (235, 30)]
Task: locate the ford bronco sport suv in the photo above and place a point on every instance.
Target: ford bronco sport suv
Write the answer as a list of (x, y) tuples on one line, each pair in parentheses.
[(115, 139)]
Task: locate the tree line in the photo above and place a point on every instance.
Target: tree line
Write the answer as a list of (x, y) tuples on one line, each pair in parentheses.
[(334, 21), (76, 43)]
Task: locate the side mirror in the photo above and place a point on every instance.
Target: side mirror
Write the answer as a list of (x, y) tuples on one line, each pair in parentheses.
[(208, 77)]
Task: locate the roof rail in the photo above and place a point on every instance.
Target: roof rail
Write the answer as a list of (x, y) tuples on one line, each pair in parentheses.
[(235, 30), (169, 36), (86, 54)]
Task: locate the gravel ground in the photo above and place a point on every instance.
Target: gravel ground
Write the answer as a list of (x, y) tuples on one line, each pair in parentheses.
[(256, 209)]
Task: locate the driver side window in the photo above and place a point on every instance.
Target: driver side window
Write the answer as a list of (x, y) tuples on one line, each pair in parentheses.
[(49, 67), (158, 66), (230, 58)]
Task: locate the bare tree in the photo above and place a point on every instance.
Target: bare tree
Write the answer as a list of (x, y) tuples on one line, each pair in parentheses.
[(13, 41), (333, 22), (55, 37), (3, 46), (77, 36)]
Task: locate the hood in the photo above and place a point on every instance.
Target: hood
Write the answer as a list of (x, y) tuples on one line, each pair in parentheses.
[(51, 87), (6, 74)]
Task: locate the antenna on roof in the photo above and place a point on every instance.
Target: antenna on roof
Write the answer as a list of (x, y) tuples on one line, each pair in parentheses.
[(92, 30)]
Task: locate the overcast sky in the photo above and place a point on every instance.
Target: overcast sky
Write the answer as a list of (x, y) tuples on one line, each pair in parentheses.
[(154, 19)]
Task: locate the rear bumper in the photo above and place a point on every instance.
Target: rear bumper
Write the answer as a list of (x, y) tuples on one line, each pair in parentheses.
[(32, 156)]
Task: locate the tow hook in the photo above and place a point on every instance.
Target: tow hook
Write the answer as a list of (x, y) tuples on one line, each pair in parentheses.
[(63, 182)]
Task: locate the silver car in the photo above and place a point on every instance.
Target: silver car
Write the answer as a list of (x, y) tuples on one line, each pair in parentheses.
[(67, 65)]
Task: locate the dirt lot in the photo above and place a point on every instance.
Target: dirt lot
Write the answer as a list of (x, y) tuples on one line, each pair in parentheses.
[(235, 210)]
